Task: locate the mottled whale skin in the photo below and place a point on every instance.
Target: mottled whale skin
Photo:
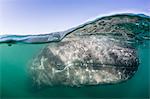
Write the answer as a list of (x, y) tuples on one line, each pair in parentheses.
[(98, 52)]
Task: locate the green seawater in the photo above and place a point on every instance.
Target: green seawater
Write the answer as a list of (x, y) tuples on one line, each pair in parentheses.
[(15, 79)]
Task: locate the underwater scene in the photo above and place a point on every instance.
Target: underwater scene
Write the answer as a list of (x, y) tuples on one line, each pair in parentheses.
[(107, 57)]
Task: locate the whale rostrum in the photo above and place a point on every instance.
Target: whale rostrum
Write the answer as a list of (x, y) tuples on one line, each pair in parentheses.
[(98, 52)]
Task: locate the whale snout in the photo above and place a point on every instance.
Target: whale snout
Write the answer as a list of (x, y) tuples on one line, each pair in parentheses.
[(126, 61), (124, 57)]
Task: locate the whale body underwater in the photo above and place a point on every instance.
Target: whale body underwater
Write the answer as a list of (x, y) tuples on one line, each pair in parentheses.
[(102, 51), (98, 52)]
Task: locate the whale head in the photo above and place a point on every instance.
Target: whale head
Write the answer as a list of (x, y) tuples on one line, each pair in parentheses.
[(85, 61), (98, 52)]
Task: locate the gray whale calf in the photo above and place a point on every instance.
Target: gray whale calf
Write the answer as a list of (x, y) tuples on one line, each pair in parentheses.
[(98, 52)]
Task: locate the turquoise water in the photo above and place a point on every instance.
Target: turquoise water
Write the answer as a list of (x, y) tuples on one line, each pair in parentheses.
[(15, 78)]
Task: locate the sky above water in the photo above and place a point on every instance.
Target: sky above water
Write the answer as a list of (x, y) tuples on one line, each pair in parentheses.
[(45, 16)]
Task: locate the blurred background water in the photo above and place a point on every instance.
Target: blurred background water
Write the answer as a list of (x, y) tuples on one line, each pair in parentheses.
[(15, 78)]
